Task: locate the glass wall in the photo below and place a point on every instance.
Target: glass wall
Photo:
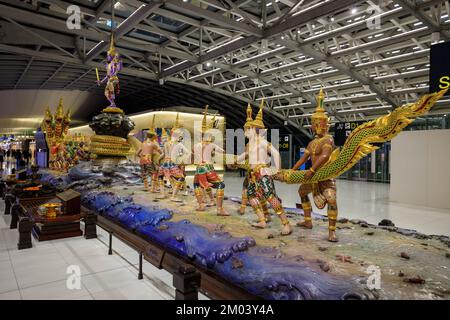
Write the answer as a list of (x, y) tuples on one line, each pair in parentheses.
[(375, 167)]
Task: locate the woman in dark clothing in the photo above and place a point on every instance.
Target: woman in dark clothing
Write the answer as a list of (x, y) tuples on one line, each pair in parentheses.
[(18, 158)]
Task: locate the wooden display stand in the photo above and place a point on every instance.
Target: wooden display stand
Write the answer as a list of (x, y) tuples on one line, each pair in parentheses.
[(71, 201), (44, 228), (187, 278), (64, 226)]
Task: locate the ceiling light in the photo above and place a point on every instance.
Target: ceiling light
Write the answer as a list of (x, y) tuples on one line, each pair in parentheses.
[(354, 10)]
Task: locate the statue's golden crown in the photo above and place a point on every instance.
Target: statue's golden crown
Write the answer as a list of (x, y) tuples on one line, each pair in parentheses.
[(259, 122), (320, 113)]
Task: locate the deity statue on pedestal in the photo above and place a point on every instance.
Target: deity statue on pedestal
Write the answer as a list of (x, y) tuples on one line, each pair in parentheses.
[(113, 66), (110, 145), (206, 178), (319, 150)]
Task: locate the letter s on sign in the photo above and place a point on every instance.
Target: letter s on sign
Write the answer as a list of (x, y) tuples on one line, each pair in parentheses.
[(444, 82)]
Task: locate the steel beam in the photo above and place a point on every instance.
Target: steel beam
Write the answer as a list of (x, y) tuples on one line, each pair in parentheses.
[(311, 14), (415, 11), (23, 73), (126, 26)]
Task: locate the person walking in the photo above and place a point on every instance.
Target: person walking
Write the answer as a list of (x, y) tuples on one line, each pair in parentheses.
[(26, 156), (18, 158), (1, 160)]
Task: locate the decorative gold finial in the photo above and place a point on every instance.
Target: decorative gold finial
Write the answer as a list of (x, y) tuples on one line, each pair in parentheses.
[(67, 116), (212, 124), (249, 119), (320, 113), (177, 122), (164, 133), (204, 121), (152, 125), (60, 109), (48, 114), (112, 48), (258, 122)]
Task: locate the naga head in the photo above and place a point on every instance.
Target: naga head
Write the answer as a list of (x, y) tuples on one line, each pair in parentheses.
[(60, 111), (319, 119), (48, 119), (66, 121)]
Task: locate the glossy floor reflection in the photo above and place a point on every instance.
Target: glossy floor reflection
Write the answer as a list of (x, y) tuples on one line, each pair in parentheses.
[(40, 273)]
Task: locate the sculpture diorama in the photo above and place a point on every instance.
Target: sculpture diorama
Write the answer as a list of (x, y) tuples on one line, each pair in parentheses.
[(206, 177), (267, 258)]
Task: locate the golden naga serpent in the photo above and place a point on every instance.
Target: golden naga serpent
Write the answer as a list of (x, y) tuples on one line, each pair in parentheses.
[(360, 142)]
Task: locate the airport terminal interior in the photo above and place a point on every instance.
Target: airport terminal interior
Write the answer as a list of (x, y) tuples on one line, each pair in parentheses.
[(224, 150)]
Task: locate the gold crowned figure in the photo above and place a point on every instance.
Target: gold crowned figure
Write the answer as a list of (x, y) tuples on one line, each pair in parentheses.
[(244, 198), (113, 66), (149, 154), (319, 150), (261, 188), (206, 178), (170, 168), (329, 162)]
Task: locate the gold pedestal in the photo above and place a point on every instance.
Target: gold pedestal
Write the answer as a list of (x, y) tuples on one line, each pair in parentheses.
[(103, 145)]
